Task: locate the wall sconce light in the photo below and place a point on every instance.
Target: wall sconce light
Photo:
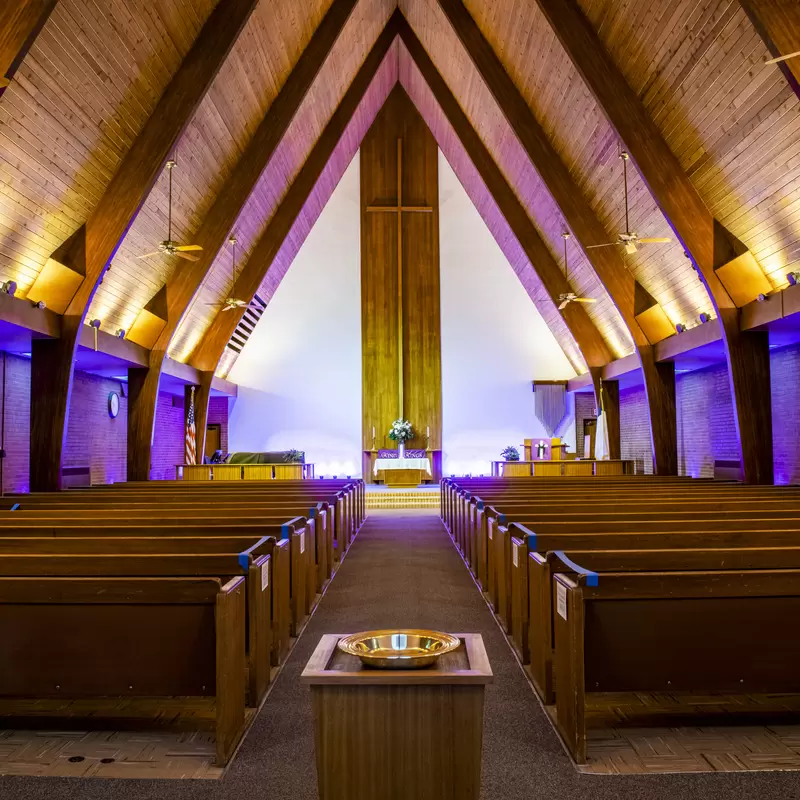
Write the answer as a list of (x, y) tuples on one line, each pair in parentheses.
[(680, 328), (9, 287), (95, 324), (704, 318), (762, 298), (41, 305), (120, 333), (792, 278)]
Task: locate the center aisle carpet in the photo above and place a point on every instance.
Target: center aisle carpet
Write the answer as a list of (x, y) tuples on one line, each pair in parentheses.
[(404, 571)]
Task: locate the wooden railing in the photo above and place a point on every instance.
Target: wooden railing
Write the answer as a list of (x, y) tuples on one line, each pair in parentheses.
[(583, 468), (244, 472)]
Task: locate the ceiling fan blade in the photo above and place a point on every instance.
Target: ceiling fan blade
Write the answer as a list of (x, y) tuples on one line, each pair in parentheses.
[(585, 300), (563, 305), (656, 240), (185, 247), (782, 58), (150, 255), (608, 244), (187, 256)]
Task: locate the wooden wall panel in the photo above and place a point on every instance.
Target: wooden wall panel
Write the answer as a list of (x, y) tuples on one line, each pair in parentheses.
[(379, 279)]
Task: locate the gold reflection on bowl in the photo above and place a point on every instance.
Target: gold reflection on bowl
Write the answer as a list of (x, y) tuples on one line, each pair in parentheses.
[(398, 649)]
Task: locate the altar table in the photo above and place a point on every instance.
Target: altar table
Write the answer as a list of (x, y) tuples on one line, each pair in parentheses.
[(402, 471)]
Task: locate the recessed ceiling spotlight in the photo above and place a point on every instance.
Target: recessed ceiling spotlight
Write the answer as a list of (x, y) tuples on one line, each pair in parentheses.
[(9, 287), (705, 318), (680, 328), (40, 305)]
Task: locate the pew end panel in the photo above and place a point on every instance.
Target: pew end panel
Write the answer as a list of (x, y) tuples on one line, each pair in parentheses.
[(128, 637), (684, 632)]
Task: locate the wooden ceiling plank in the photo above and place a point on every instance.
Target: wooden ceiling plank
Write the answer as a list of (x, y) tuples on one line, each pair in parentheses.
[(209, 350), (20, 23), (215, 229), (89, 251), (606, 262), (593, 348), (778, 24), (709, 245)]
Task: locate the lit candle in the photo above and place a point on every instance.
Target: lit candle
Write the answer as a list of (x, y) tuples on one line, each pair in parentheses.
[(428, 431), (373, 431)]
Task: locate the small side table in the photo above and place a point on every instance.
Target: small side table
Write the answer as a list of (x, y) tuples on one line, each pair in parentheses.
[(398, 734)]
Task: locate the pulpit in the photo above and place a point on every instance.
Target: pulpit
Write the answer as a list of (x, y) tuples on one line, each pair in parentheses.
[(385, 734)]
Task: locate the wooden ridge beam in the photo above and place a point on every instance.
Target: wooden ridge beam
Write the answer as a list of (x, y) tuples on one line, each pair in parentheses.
[(209, 350), (777, 22), (593, 347), (705, 240), (659, 379), (89, 251), (217, 224), (20, 24)]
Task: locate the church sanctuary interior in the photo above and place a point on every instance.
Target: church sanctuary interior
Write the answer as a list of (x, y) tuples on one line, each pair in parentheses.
[(399, 399)]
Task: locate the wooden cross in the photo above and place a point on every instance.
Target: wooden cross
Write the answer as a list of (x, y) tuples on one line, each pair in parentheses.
[(398, 209)]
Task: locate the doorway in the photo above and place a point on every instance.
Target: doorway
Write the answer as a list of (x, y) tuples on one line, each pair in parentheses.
[(213, 439)]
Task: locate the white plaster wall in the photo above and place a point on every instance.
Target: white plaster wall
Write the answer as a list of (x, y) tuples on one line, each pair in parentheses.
[(299, 375), (494, 342)]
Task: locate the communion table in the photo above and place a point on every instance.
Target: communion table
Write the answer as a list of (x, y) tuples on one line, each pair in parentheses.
[(402, 472), (384, 734)]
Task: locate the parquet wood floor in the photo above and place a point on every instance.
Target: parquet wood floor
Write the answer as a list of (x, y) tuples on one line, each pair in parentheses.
[(662, 733)]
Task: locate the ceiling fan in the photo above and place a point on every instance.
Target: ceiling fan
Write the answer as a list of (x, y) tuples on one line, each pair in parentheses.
[(169, 246), (232, 303), (783, 58), (628, 240), (566, 298)]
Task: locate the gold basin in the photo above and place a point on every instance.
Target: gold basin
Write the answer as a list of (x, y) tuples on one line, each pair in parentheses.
[(398, 649)]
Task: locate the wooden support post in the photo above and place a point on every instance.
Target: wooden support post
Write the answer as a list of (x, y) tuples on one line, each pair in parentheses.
[(89, 251), (584, 224), (610, 391), (729, 272), (20, 23), (209, 350), (778, 24)]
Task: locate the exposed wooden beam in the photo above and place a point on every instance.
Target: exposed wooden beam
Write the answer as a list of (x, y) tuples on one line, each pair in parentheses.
[(210, 348), (778, 24), (593, 347), (89, 251), (584, 224), (217, 224), (710, 246), (20, 23)]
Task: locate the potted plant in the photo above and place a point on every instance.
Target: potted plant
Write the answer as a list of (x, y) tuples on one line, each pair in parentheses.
[(510, 454), (401, 432), (294, 456)]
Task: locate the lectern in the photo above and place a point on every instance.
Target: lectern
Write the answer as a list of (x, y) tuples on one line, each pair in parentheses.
[(384, 734)]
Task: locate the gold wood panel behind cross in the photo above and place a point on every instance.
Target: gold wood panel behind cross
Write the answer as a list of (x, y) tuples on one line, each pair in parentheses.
[(398, 209)]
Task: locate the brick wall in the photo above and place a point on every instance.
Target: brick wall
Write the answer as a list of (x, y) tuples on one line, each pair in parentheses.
[(93, 438), (584, 409), (168, 437), (218, 415), (634, 429), (785, 379), (15, 422)]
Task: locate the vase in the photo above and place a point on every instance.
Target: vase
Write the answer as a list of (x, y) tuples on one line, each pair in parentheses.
[(401, 449)]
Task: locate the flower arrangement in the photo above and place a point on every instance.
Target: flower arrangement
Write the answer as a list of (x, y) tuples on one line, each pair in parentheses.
[(510, 454), (294, 456), (401, 431)]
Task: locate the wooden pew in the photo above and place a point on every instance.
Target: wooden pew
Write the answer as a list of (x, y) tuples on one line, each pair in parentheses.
[(296, 531), (127, 637), (672, 632)]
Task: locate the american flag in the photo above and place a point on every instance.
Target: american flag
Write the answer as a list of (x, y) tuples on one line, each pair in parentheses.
[(191, 433)]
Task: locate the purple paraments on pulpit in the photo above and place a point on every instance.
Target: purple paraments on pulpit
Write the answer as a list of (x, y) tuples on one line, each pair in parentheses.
[(386, 453)]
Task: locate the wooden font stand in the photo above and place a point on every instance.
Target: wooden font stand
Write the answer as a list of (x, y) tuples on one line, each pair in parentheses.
[(398, 734)]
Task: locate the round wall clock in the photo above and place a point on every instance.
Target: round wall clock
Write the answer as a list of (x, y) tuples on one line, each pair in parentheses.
[(113, 405)]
